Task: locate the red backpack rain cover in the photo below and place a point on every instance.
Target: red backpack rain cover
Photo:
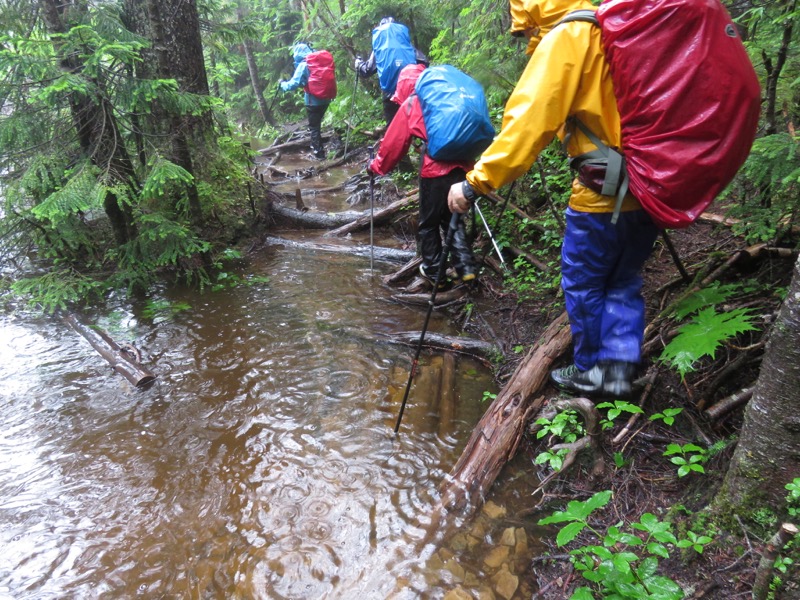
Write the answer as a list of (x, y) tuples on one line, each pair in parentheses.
[(688, 99), (322, 75)]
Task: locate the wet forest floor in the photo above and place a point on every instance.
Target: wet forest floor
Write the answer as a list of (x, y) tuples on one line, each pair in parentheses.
[(642, 479)]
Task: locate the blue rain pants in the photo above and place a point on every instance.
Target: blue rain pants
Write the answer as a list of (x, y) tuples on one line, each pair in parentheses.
[(601, 277)]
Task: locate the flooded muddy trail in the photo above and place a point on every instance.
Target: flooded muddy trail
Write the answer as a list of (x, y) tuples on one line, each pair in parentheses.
[(261, 463)]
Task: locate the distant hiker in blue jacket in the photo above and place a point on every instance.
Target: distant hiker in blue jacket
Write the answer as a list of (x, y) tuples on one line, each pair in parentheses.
[(319, 82), (391, 51)]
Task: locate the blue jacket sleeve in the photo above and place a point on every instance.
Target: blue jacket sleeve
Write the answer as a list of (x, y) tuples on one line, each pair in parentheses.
[(299, 78)]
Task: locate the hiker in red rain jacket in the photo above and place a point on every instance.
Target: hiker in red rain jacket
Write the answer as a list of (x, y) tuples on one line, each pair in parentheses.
[(436, 177)]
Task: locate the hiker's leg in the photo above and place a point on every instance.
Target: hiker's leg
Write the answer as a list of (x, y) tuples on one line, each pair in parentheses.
[(389, 109), (623, 314), (461, 256), (430, 242), (586, 261), (315, 113)]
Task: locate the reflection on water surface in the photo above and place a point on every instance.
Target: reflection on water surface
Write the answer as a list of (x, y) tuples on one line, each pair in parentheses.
[(260, 465)]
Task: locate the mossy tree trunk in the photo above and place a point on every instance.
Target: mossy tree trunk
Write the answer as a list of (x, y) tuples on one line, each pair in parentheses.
[(767, 456), (175, 31), (94, 120)]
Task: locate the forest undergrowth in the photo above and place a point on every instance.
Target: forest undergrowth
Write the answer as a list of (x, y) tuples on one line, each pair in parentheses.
[(666, 449)]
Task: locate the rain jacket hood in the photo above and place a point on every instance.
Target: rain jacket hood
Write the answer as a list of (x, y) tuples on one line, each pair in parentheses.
[(540, 16), (299, 53), (406, 82)]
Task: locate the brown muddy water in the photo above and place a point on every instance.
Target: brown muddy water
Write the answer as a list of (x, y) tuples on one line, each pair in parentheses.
[(262, 462)]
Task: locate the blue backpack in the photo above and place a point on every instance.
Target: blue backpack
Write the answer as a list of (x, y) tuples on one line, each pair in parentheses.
[(455, 113), (391, 44)]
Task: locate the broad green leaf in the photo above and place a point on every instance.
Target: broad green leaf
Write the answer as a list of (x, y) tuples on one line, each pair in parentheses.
[(710, 296), (569, 532), (582, 593), (703, 335)]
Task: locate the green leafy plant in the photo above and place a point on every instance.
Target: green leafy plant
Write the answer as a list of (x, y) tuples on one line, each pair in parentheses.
[(688, 457), (695, 541), (703, 335), (615, 409), (793, 497), (566, 427), (667, 416), (488, 396), (613, 566)]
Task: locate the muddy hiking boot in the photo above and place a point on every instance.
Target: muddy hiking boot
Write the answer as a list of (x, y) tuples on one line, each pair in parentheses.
[(467, 275), (429, 275), (606, 378)]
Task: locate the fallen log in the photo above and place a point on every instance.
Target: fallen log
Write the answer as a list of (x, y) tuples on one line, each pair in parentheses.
[(495, 439), (405, 273), (379, 217), (393, 255), (302, 142), (437, 341), (529, 257), (310, 219), (123, 359), (422, 298)]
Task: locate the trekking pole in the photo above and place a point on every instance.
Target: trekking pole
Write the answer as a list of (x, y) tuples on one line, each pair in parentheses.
[(352, 105), (489, 231), (451, 232), (275, 95), (505, 202), (371, 209), (675, 258)]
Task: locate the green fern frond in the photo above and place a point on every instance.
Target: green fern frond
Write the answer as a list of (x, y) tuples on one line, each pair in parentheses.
[(162, 242), (57, 289), (79, 194), (164, 178), (703, 335), (710, 296)]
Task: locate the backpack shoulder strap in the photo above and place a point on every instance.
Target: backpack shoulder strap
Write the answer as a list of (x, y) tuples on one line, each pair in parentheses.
[(586, 15)]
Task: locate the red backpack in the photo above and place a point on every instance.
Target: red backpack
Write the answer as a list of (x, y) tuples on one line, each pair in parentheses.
[(322, 75), (688, 99)]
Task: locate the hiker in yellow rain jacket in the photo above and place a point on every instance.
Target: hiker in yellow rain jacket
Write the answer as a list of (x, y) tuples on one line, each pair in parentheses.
[(567, 76)]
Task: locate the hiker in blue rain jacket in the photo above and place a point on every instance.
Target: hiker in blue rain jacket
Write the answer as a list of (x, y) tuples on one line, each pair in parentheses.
[(315, 106), (391, 51)]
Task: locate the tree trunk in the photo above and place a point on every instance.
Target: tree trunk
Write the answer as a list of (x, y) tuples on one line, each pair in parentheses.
[(175, 30), (767, 456), (495, 439), (255, 82), (95, 124)]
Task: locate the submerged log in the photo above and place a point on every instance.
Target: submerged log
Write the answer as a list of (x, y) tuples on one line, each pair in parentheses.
[(379, 217), (310, 219), (422, 298), (303, 142), (460, 345), (124, 359), (379, 252), (495, 439)]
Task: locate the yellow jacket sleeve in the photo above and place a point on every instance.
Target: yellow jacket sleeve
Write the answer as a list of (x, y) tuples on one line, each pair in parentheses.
[(566, 76)]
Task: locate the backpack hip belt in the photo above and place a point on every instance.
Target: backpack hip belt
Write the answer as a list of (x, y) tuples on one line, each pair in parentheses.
[(602, 170)]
